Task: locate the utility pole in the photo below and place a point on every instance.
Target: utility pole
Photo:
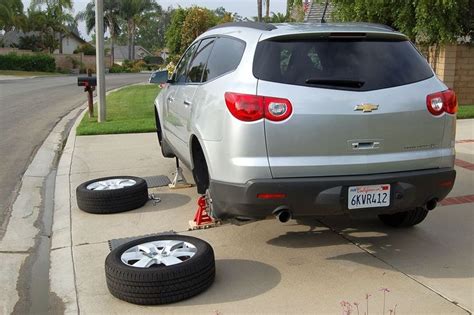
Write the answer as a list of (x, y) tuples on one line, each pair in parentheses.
[(99, 53)]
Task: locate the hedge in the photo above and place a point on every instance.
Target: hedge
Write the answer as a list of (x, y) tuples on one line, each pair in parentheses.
[(36, 62)]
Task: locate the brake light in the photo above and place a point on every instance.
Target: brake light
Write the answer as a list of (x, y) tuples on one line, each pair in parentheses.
[(245, 107), (248, 107), (442, 102), (271, 196)]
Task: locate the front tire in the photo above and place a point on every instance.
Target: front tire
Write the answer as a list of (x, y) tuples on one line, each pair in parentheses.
[(404, 219)]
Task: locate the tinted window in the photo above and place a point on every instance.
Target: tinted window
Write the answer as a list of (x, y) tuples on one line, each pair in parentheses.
[(180, 73), (225, 57), (196, 69), (359, 65)]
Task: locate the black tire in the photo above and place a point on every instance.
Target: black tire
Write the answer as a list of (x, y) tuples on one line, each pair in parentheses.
[(404, 219), (160, 284), (112, 201)]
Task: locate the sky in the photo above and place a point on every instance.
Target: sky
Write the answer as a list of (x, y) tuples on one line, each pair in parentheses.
[(245, 8)]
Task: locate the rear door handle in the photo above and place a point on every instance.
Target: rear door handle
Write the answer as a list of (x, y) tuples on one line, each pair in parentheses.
[(187, 103), (365, 145), (170, 99)]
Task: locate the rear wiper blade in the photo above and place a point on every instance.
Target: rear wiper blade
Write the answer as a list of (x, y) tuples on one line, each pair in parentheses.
[(345, 83)]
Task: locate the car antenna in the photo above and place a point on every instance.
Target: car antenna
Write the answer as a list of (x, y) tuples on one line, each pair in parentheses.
[(324, 12)]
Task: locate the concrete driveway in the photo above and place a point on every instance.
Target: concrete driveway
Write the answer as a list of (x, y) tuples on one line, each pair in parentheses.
[(305, 266)]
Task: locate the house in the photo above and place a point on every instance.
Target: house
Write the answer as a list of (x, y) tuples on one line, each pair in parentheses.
[(163, 53), (121, 53), (317, 9), (71, 42)]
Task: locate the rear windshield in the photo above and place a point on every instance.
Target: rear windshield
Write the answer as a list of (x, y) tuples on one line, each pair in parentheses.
[(359, 65)]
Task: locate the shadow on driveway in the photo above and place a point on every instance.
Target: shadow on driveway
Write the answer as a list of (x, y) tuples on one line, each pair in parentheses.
[(237, 279), (440, 247)]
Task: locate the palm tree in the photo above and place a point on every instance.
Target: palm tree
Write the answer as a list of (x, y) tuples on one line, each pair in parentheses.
[(58, 11), (111, 20), (259, 10), (278, 18), (11, 14), (133, 11), (267, 10)]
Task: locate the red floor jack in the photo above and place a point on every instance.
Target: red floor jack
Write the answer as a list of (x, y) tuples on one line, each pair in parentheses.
[(202, 220)]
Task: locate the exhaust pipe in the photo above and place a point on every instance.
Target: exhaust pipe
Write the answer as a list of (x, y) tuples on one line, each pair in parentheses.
[(283, 215), (431, 204)]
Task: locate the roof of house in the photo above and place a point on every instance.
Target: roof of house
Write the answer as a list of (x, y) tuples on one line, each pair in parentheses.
[(13, 37), (121, 52), (78, 37), (316, 11)]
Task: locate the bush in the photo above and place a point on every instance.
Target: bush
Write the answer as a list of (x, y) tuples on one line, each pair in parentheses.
[(153, 60), (37, 62), (87, 49), (119, 69)]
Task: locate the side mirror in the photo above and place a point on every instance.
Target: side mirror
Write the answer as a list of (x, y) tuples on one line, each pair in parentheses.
[(159, 77)]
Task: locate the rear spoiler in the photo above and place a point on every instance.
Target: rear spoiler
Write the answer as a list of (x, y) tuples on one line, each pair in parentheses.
[(395, 36)]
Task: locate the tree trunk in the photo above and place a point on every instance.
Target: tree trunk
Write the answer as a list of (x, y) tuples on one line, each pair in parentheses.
[(112, 49), (129, 40), (133, 41), (267, 10), (259, 10), (60, 43)]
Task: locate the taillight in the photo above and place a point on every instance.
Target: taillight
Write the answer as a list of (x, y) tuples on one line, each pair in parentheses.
[(442, 102), (277, 109), (245, 107), (248, 107)]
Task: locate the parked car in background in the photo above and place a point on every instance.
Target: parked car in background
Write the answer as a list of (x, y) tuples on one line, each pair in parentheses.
[(310, 120)]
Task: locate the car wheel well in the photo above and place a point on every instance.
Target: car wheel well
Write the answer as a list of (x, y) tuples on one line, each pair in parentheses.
[(158, 125), (200, 169)]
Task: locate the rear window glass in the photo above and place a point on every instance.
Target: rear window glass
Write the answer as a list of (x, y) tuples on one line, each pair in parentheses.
[(359, 65), (225, 56)]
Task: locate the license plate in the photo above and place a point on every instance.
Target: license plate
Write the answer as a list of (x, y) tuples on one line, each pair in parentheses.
[(370, 196)]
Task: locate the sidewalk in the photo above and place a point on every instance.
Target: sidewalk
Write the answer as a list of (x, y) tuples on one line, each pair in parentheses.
[(262, 267)]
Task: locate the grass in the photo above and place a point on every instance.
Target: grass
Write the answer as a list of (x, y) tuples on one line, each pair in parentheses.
[(129, 110), (465, 111), (19, 73)]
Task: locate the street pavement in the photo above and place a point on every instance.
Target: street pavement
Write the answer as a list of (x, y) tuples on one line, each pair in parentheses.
[(29, 109), (302, 267)]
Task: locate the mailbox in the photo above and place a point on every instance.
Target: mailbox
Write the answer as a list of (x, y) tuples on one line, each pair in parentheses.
[(87, 81)]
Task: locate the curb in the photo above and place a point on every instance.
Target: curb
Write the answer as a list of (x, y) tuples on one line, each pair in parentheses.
[(62, 273)]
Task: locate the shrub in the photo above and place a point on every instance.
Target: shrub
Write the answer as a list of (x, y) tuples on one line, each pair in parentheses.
[(36, 62), (138, 66), (153, 60), (118, 69), (87, 49)]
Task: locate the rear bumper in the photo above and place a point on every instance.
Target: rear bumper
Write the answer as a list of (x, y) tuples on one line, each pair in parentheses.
[(320, 196)]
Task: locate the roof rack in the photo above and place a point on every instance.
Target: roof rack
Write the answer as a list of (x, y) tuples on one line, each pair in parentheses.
[(254, 25)]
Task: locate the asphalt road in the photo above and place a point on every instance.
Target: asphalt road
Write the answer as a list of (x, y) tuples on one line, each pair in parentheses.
[(29, 109)]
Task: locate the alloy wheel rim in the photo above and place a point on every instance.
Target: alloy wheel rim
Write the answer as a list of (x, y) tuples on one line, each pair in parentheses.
[(111, 184), (158, 253)]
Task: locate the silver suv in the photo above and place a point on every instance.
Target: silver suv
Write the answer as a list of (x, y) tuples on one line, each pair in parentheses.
[(310, 120)]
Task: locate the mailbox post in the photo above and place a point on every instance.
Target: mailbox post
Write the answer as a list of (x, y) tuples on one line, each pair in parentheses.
[(89, 83)]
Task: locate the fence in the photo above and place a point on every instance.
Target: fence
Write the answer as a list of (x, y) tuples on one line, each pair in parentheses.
[(65, 61)]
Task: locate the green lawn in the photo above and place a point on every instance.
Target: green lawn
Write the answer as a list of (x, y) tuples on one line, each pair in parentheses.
[(26, 73), (465, 111), (129, 110)]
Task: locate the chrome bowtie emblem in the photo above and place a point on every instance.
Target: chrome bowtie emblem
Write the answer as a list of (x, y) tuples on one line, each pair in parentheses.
[(366, 107)]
